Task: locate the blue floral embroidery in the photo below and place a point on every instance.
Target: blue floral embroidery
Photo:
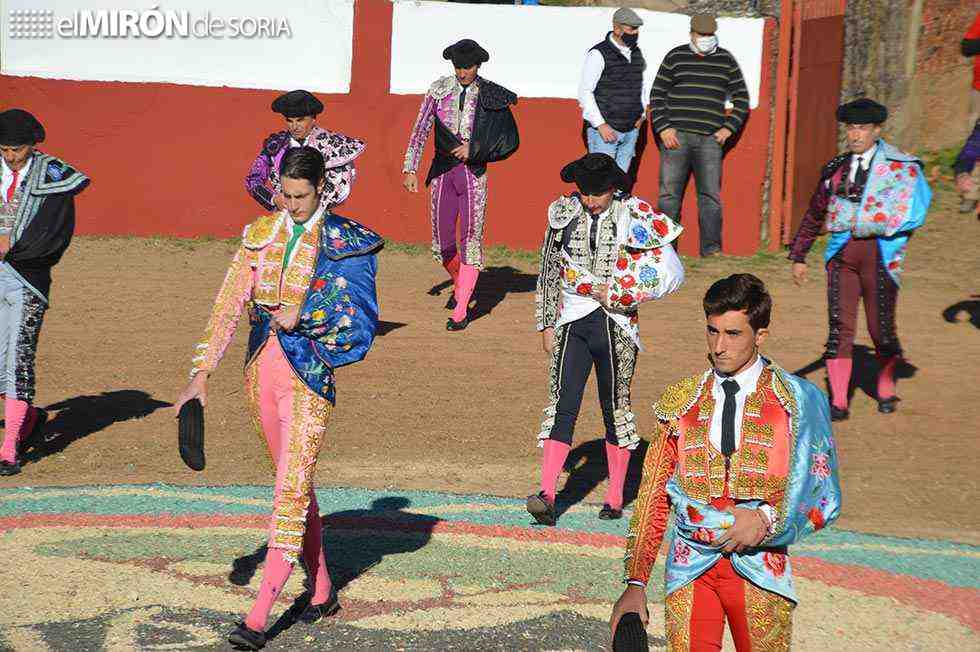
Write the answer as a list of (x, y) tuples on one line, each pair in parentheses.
[(648, 276), (640, 234)]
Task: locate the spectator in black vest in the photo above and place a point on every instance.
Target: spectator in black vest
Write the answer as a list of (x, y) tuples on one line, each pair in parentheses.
[(612, 93), (687, 110)]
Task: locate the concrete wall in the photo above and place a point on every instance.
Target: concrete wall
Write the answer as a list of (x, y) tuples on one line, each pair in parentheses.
[(170, 159)]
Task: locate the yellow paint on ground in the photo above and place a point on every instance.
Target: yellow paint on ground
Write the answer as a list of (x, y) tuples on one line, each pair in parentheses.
[(372, 588)]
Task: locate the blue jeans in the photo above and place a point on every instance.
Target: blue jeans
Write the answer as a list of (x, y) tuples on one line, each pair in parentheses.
[(702, 155), (622, 149)]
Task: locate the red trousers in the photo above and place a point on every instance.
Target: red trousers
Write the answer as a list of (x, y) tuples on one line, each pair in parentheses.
[(856, 274), (759, 620)]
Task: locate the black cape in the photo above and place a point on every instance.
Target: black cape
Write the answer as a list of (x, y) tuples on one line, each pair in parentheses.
[(494, 136), (47, 236)]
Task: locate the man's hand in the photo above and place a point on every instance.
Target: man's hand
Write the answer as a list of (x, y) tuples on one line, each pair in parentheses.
[(722, 135), (607, 133), (749, 530), (4, 244), (964, 183), (462, 152), (411, 182), (669, 138), (548, 339), (799, 274), (279, 200), (633, 600), (286, 318), (197, 388), (600, 292)]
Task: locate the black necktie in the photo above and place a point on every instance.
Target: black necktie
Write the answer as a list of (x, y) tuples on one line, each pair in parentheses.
[(462, 98), (593, 231), (728, 418)]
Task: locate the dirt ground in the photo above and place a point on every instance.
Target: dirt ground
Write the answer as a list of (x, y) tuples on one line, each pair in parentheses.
[(459, 412)]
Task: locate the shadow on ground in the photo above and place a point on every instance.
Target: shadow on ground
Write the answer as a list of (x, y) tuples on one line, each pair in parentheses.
[(864, 374), (79, 417), (350, 557), (493, 286), (586, 466), (971, 307)]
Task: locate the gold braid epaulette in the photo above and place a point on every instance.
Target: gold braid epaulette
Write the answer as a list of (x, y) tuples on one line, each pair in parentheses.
[(680, 397), (260, 232), (781, 389)]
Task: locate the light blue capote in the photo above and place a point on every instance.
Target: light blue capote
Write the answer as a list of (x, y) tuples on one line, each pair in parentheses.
[(812, 489), (892, 247)]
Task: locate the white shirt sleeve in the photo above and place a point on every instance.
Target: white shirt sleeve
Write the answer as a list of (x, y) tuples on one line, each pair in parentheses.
[(591, 72), (671, 272), (649, 76)]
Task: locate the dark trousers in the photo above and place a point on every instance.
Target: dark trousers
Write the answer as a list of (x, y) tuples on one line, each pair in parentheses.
[(582, 345), (855, 274), (702, 154)]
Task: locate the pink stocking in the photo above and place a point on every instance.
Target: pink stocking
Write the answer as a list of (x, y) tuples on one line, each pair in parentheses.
[(886, 377), (452, 266), (839, 373), (274, 576), (313, 555), (15, 414), (555, 454), (617, 461), (464, 290)]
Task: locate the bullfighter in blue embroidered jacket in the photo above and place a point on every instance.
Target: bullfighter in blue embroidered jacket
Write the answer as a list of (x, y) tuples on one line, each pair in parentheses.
[(307, 278)]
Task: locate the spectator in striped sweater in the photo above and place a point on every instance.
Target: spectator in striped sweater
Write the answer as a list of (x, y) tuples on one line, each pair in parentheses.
[(687, 111)]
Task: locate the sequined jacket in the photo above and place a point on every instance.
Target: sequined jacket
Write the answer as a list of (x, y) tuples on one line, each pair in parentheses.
[(339, 151), (786, 458), (331, 277)]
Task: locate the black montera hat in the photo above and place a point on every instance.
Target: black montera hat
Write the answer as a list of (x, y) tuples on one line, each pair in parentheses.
[(466, 53), (18, 127), (595, 174), (862, 112), (297, 104)]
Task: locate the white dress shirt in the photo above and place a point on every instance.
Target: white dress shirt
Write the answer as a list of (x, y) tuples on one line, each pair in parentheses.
[(7, 176), (592, 71), (747, 380), (864, 159)]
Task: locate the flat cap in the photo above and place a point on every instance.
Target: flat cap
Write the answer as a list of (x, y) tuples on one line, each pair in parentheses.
[(297, 104), (628, 17), (19, 127), (863, 111), (466, 53), (704, 24)]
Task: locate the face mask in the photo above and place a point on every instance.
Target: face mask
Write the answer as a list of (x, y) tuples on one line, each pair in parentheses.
[(630, 40), (706, 44)]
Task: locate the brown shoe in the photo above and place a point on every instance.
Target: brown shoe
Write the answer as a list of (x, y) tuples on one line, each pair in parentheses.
[(541, 509)]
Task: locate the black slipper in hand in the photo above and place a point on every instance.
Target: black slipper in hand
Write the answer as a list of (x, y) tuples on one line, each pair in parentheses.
[(190, 434), (631, 635)]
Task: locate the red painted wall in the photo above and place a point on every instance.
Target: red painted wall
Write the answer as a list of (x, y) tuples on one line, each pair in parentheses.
[(170, 160)]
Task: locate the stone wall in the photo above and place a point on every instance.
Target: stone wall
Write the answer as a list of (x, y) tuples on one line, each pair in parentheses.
[(907, 56)]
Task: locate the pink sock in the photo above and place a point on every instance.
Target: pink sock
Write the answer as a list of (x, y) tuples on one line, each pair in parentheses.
[(464, 290), (15, 413), (555, 454), (886, 377), (839, 373), (452, 266), (274, 576), (313, 555), (617, 461)]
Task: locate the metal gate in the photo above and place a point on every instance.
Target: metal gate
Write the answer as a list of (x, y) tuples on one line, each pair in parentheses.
[(814, 66)]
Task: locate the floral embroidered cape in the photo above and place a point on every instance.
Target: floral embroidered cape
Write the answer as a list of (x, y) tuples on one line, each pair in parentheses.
[(895, 202), (339, 316), (812, 501)]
